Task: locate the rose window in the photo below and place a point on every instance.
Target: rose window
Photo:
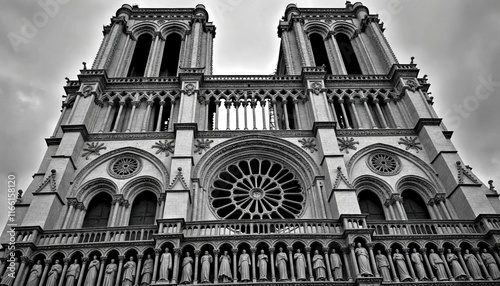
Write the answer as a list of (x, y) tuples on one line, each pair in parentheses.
[(124, 166), (384, 163), (256, 189)]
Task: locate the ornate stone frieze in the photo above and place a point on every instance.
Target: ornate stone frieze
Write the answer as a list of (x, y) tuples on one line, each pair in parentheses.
[(202, 145), (93, 148), (410, 143), (308, 144), (374, 132), (346, 144), (130, 136), (166, 147)]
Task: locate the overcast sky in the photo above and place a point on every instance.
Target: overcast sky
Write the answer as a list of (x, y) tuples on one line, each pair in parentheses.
[(457, 43)]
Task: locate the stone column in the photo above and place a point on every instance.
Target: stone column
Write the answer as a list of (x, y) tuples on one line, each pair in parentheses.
[(171, 115), (216, 266), (391, 263), (423, 251), (45, 271), (263, 106), (227, 105), (101, 270), (290, 257), (118, 281), (235, 264), (297, 115), (309, 266), (285, 111), (410, 265), (196, 263), (69, 214), (372, 258), (442, 204), (273, 269), (138, 270), (432, 204), (245, 105), (345, 250), (237, 108), (380, 114), (66, 262), (481, 263), (253, 104), (19, 276), (134, 106), (354, 261), (458, 250), (82, 270), (118, 117), (253, 250), (115, 206), (145, 122), (327, 260), (446, 267), (216, 123), (391, 112), (370, 116), (155, 267), (175, 271), (356, 116), (346, 119)]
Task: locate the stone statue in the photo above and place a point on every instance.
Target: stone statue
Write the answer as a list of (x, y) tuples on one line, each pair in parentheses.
[(490, 263), (35, 273), (383, 266), (300, 266), (10, 274), (319, 266), (281, 261), (129, 273), (225, 275), (473, 265), (165, 265), (400, 265), (187, 269), (418, 263), (72, 273), (206, 260), (262, 265), (110, 273), (363, 261), (244, 266), (456, 270), (336, 265), (54, 273), (92, 272), (147, 271), (438, 264)]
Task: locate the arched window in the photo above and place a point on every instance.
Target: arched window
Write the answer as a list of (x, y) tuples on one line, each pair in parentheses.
[(348, 55), (140, 57), (370, 203), (98, 211), (170, 59), (319, 52), (414, 205), (143, 209)]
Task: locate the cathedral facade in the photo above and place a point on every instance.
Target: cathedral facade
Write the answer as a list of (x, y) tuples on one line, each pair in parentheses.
[(334, 170)]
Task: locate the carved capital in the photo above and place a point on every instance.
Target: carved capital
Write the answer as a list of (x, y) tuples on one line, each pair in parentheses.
[(290, 248), (121, 103), (253, 250), (177, 251), (24, 259), (263, 103), (370, 245), (66, 261), (157, 251), (237, 104), (375, 101), (422, 250), (140, 256), (352, 245), (326, 250), (345, 250), (121, 258), (308, 249), (406, 250), (341, 101), (216, 252), (47, 262), (150, 103), (458, 249), (104, 258), (271, 250), (234, 251), (441, 250), (85, 259), (388, 251), (227, 104)]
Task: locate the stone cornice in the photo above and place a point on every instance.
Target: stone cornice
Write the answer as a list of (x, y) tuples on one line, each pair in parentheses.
[(426, 122), (53, 141), (130, 136), (76, 128)]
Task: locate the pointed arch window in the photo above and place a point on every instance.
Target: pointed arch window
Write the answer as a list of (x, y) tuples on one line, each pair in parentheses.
[(171, 52), (370, 203), (97, 214), (414, 205), (319, 52), (143, 210), (348, 55), (141, 55)]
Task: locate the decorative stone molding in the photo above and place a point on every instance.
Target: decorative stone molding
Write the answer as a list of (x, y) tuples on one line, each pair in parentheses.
[(465, 172), (178, 178), (49, 181), (341, 178), (166, 147), (93, 148), (308, 144), (316, 87), (410, 143), (124, 166), (346, 144), (374, 132), (202, 145), (189, 88)]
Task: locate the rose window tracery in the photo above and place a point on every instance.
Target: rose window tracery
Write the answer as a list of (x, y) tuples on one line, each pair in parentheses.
[(384, 163), (124, 166), (256, 189)]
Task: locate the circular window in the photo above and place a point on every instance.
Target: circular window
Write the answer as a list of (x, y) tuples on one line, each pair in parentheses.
[(256, 189), (384, 163), (124, 166)]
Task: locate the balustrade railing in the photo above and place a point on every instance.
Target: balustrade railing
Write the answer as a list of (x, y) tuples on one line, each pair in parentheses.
[(97, 235), (425, 227)]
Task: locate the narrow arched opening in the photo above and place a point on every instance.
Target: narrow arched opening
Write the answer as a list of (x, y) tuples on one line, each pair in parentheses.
[(319, 52), (414, 205), (140, 57), (170, 59), (143, 210), (370, 203), (98, 211), (348, 55)]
